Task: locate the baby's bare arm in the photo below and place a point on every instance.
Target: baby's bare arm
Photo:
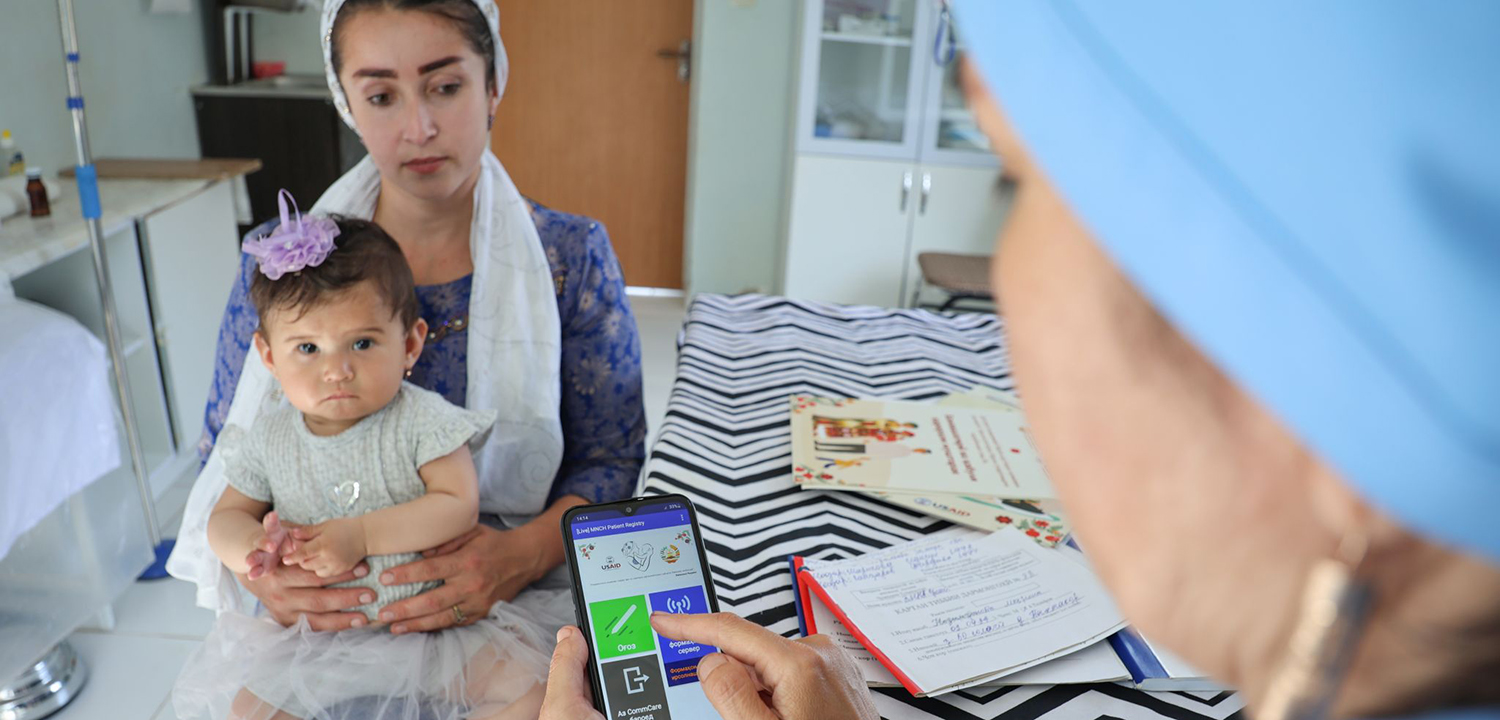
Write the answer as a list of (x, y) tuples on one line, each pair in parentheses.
[(449, 509), (235, 530)]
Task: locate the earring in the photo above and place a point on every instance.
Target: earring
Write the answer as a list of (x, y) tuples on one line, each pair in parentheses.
[(491, 124), (408, 372), (1335, 605)]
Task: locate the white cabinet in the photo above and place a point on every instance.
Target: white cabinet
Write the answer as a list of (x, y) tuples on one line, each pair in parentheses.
[(173, 251), (191, 269), (959, 211), (888, 161), (865, 251)]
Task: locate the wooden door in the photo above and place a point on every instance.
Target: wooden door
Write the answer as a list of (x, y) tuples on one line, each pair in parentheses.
[(595, 122)]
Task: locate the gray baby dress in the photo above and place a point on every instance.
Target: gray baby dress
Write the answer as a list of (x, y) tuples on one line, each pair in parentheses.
[(372, 465)]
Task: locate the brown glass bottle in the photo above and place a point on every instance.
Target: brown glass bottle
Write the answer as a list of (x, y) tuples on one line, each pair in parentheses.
[(37, 193)]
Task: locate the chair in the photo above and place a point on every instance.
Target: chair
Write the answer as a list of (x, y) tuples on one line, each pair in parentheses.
[(962, 277)]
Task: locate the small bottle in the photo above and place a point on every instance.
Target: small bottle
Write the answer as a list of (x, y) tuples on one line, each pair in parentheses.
[(10, 155), (37, 193)]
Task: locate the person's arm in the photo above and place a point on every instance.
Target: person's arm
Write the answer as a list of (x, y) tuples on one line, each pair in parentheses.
[(478, 569), (235, 530), (243, 532), (449, 509), (603, 414)]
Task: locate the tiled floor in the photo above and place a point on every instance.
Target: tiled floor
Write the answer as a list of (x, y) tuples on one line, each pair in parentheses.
[(132, 666)]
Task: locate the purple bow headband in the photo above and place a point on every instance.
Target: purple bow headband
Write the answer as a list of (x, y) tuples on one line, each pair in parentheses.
[(294, 244)]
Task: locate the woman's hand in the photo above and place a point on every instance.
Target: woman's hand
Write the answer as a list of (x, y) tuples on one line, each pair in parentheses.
[(478, 569), (289, 592), (567, 680), (805, 679)]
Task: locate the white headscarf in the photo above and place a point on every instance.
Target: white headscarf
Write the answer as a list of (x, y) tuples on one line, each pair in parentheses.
[(514, 349)]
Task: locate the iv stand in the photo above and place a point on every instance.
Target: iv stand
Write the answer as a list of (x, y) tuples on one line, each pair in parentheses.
[(88, 195), (58, 676)]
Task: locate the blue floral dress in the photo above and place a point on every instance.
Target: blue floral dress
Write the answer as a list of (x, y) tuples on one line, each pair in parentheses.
[(602, 413)]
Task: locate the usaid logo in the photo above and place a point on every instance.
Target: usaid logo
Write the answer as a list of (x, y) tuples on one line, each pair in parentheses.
[(610, 563), (940, 506)]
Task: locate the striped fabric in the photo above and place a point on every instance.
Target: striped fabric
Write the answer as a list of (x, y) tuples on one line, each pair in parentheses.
[(725, 444)]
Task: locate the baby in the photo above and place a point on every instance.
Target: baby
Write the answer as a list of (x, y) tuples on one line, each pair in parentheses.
[(370, 468)]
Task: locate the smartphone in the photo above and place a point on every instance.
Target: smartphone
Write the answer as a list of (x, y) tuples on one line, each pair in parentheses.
[(629, 559)]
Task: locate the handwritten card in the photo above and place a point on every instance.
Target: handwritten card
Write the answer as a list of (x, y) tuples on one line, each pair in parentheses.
[(1096, 663), (963, 608)]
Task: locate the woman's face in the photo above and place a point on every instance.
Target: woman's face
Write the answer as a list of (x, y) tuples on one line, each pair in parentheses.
[(418, 95)]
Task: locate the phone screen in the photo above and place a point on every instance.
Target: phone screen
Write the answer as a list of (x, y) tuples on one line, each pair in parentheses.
[(626, 566)]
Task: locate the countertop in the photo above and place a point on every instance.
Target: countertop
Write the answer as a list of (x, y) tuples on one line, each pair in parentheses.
[(312, 87), (29, 243), (151, 169)]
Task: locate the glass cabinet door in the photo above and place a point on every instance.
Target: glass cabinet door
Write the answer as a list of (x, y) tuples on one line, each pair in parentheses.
[(956, 127), (951, 134), (862, 95)]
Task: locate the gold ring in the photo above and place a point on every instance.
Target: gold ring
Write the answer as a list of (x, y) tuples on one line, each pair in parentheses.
[(458, 615)]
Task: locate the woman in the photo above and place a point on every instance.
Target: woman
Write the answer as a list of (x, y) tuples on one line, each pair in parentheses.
[(1250, 292), (528, 316)]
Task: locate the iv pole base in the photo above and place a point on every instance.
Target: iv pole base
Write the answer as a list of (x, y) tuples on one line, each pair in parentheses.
[(45, 687)]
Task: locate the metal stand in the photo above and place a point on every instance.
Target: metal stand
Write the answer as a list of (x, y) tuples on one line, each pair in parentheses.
[(47, 686), (57, 677), (88, 195)]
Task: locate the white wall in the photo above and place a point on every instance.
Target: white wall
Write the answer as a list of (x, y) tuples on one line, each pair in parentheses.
[(136, 67), (740, 130)]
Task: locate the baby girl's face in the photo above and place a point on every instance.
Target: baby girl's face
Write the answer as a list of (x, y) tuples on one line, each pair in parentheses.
[(342, 360)]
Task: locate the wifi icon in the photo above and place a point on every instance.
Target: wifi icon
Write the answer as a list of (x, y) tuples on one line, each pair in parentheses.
[(679, 605)]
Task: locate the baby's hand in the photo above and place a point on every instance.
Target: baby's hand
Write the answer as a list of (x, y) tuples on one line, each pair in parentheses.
[(272, 546), (330, 548)]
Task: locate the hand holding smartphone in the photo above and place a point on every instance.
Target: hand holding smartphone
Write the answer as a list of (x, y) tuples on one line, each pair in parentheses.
[(629, 559)]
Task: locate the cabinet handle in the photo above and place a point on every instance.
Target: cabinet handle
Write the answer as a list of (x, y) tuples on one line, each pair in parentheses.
[(926, 191), (905, 189)]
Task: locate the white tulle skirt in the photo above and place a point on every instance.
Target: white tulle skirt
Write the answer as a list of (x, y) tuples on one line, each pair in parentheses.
[(251, 667)]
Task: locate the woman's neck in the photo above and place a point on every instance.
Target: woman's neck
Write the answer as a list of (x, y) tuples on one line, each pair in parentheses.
[(433, 234)]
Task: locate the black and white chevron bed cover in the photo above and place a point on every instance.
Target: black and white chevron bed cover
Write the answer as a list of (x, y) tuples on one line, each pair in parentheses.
[(725, 444)]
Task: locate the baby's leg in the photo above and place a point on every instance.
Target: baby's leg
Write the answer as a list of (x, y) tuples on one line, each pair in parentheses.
[(498, 690), (248, 706)]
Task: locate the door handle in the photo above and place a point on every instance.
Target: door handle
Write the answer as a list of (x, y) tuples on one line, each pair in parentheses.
[(926, 192), (905, 189), (684, 57)]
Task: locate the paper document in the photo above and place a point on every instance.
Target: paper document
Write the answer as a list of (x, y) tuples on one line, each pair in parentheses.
[(907, 447), (1040, 520), (983, 398), (962, 608), (1094, 664), (822, 621)]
